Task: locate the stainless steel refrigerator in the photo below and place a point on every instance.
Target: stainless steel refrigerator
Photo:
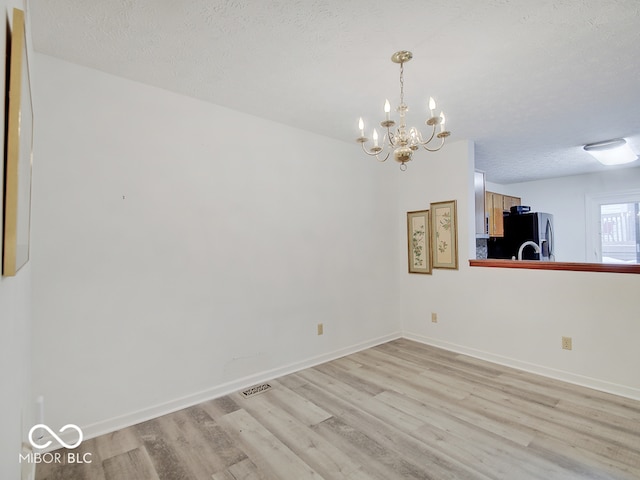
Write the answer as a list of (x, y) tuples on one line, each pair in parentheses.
[(520, 228)]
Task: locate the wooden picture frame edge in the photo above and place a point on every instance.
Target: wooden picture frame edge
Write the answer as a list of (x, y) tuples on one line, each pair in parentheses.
[(19, 133), (452, 204), (427, 242)]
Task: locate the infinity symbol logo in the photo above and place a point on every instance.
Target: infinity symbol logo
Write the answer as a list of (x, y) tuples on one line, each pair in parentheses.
[(53, 434)]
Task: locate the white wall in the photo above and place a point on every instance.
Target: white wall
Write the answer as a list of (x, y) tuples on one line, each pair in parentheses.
[(16, 414), (183, 250), (513, 316), (564, 197)]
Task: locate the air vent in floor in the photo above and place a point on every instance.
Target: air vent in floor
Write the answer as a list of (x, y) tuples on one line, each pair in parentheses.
[(249, 392)]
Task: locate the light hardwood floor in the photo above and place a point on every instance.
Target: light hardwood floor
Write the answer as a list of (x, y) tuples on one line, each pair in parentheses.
[(401, 410)]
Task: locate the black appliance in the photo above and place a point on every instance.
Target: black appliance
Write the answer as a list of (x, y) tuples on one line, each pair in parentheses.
[(520, 228), (497, 248)]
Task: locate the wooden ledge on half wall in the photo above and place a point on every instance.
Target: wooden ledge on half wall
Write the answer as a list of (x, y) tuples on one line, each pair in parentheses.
[(568, 266)]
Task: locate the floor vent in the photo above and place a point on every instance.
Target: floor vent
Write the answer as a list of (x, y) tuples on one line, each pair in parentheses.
[(250, 392)]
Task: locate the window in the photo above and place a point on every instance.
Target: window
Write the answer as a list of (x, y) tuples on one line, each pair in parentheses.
[(613, 228)]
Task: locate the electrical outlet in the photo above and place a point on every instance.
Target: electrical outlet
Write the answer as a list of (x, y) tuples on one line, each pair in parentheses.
[(566, 343), (434, 317), (320, 329)]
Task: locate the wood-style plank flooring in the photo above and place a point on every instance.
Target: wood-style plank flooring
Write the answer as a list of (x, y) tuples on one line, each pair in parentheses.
[(401, 410)]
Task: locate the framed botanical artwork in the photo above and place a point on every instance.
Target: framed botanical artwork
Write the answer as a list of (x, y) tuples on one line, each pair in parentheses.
[(444, 235), (419, 241), (17, 191)]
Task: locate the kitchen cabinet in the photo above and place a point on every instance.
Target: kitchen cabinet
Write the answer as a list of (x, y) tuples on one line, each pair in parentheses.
[(495, 205), (509, 202)]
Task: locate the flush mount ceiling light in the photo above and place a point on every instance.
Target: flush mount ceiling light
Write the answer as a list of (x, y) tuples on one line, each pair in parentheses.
[(403, 142), (612, 152)]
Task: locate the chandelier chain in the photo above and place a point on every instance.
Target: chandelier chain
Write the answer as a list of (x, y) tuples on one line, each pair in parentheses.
[(402, 83)]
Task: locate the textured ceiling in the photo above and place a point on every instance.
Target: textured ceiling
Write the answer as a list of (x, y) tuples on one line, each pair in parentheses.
[(529, 82)]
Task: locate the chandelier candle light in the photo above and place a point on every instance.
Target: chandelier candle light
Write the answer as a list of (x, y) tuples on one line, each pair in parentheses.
[(403, 142)]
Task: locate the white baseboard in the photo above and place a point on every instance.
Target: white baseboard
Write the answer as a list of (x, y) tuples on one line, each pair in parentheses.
[(596, 384), (133, 418)]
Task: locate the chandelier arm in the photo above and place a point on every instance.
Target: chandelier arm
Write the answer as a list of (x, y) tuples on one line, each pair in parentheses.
[(391, 137), (372, 153), (434, 149), (384, 159), (425, 142)]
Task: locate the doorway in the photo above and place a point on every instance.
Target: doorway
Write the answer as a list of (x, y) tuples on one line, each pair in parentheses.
[(614, 226)]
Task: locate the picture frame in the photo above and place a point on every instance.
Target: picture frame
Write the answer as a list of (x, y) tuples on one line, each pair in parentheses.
[(444, 234), (419, 241), (19, 148)]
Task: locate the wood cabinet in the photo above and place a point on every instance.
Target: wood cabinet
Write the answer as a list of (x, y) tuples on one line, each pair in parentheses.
[(495, 205), (509, 202)]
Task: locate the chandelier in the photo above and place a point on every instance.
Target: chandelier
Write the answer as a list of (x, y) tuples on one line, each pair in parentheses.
[(403, 142)]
